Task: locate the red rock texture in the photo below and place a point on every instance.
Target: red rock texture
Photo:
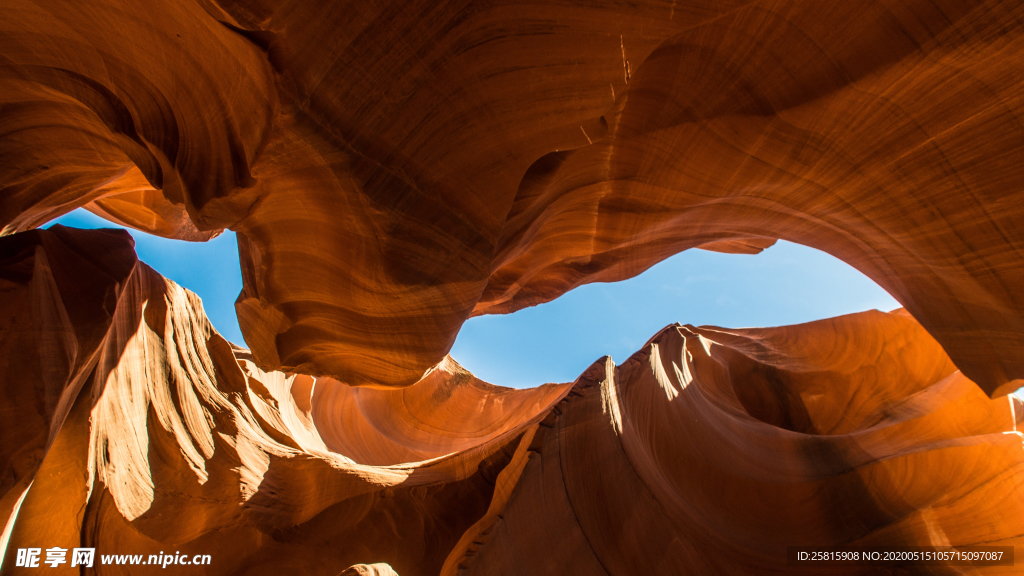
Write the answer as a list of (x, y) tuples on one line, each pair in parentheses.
[(708, 451), (393, 168), (434, 160)]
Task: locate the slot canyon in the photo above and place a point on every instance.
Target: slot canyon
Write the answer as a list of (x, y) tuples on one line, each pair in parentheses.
[(393, 169)]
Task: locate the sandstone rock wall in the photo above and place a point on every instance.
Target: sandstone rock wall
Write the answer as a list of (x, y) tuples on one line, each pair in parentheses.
[(434, 160), (708, 451), (393, 168)]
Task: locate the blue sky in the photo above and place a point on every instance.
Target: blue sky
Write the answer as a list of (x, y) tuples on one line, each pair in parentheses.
[(555, 342), (210, 269)]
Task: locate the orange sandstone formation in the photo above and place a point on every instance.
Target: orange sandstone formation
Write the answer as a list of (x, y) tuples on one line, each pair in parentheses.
[(393, 168), (158, 436), (434, 160), (708, 451)]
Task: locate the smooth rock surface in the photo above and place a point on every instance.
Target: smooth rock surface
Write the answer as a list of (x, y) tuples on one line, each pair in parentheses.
[(709, 451), (393, 168)]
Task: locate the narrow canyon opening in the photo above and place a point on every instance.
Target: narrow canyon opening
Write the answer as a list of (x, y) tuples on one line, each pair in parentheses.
[(554, 342)]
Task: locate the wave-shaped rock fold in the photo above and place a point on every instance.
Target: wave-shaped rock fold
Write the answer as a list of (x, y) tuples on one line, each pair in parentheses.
[(710, 450)]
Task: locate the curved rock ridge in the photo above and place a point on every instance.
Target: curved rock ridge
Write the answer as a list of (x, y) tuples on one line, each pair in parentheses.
[(710, 450), (140, 131), (156, 436), (393, 168), (448, 411), (719, 448)]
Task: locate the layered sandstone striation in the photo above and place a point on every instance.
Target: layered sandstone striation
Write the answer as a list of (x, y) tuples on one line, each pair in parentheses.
[(708, 451), (394, 168), (435, 160), (152, 433)]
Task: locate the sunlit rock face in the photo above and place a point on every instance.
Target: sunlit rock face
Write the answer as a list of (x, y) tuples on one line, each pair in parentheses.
[(393, 168), (134, 428)]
